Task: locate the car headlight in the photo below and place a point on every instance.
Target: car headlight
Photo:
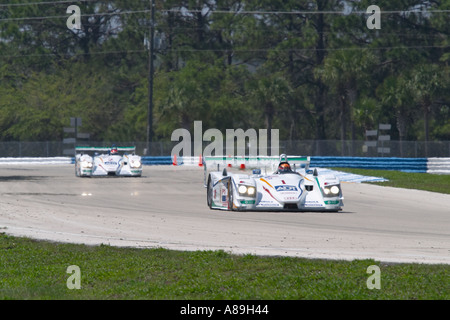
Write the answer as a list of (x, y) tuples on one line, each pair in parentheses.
[(247, 191), (331, 191), (136, 164), (242, 189), (334, 190), (86, 164), (251, 191)]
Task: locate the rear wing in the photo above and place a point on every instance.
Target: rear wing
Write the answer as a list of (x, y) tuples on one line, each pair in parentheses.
[(267, 163), (104, 149)]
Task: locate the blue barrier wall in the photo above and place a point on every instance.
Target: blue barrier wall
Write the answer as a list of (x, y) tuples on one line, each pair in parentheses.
[(397, 164), (161, 160)]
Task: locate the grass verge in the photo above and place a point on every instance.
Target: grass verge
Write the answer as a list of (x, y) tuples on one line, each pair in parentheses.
[(408, 180), (33, 269)]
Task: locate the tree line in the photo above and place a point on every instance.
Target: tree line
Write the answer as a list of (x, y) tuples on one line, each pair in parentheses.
[(312, 69)]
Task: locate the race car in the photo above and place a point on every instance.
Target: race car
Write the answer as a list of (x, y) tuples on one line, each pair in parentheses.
[(288, 184), (115, 161)]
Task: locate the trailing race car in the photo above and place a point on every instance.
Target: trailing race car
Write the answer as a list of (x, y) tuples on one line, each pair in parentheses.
[(296, 188), (111, 163)]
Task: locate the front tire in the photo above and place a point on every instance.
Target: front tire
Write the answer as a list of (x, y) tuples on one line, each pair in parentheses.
[(77, 170), (230, 197), (209, 192)]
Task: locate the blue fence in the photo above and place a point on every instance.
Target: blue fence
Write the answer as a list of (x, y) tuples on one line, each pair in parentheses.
[(397, 164), (421, 165), (161, 160)]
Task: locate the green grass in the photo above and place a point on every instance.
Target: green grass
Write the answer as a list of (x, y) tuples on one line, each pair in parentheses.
[(33, 269), (408, 180)]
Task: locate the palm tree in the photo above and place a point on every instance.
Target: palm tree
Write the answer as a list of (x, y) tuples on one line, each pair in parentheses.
[(346, 72), (395, 93), (426, 83), (268, 93), (366, 112)]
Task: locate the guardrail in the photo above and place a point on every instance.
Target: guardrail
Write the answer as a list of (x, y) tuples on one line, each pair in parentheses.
[(160, 160), (423, 165), (418, 165), (438, 165), (37, 160), (397, 164)]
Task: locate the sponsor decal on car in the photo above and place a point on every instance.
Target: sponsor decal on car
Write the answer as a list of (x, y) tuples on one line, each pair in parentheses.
[(313, 204), (285, 188), (263, 180), (224, 196), (247, 201), (269, 204)]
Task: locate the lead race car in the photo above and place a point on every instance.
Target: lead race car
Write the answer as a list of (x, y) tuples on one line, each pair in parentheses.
[(115, 161), (287, 184)]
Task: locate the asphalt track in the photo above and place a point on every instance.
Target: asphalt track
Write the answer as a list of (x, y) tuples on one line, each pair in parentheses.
[(166, 207)]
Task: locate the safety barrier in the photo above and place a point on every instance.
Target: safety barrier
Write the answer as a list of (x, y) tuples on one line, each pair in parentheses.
[(396, 164), (429, 165), (37, 160), (160, 160), (419, 165), (438, 165)]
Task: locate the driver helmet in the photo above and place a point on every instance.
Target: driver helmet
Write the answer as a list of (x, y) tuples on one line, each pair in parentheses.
[(284, 167), (114, 150)]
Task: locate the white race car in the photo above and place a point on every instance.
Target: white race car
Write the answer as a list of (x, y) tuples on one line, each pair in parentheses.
[(115, 162), (284, 188)]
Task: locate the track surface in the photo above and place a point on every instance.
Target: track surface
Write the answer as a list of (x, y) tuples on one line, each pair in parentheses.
[(167, 208)]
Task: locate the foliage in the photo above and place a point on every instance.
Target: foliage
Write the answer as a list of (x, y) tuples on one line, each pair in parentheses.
[(300, 66)]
